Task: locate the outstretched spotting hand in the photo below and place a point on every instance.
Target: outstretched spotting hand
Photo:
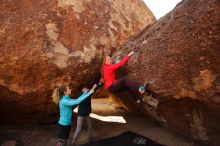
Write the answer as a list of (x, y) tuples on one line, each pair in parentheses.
[(93, 88), (131, 53)]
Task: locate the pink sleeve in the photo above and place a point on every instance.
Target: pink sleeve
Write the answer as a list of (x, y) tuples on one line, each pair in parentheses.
[(119, 64)]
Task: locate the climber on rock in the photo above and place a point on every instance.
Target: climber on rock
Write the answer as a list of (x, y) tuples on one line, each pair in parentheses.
[(110, 82)]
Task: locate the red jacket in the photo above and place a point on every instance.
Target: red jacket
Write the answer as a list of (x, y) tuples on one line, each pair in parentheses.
[(109, 74)]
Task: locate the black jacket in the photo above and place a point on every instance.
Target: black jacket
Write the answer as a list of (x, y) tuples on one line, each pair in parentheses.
[(85, 107)]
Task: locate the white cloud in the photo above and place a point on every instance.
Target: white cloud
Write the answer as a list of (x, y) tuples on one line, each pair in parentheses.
[(161, 7)]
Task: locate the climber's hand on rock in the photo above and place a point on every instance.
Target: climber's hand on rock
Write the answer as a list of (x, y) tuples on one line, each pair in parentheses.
[(131, 53)]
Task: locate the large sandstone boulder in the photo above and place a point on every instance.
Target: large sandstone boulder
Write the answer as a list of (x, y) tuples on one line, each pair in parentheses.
[(181, 54), (46, 43)]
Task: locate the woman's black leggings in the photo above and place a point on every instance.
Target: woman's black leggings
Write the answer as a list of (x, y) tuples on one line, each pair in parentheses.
[(63, 135), (122, 83)]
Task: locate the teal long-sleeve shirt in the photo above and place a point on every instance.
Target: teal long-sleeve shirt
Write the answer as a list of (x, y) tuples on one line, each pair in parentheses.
[(66, 104)]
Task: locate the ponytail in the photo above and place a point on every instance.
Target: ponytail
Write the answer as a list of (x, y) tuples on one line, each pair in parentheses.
[(58, 93), (56, 96)]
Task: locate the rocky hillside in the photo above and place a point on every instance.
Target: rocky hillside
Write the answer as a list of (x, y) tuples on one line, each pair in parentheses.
[(180, 53)]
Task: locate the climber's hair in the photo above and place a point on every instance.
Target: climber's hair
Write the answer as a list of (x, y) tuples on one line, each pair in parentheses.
[(81, 86), (59, 93), (103, 63)]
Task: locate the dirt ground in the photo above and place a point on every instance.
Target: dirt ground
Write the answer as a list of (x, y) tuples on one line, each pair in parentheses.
[(108, 120)]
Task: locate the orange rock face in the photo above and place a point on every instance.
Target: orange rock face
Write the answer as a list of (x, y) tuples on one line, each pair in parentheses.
[(46, 43), (181, 54)]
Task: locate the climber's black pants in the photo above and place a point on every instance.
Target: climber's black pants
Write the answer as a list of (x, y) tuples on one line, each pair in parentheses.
[(122, 83)]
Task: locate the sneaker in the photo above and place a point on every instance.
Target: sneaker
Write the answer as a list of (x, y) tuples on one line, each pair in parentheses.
[(142, 89)]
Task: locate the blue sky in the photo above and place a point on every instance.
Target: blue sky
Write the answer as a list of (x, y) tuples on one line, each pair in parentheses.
[(161, 7)]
